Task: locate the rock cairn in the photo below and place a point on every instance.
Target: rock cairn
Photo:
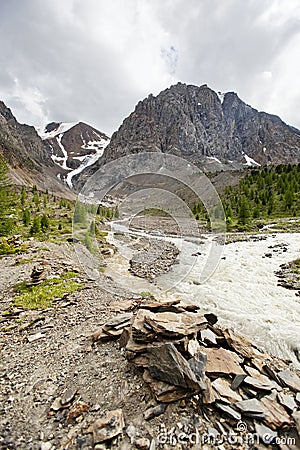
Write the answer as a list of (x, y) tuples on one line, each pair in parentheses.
[(184, 353), (37, 275)]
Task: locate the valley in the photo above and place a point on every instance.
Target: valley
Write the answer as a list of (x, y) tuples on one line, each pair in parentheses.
[(101, 295)]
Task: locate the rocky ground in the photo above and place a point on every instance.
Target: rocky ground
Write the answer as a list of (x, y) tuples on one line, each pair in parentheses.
[(70, 380), (153, 258)]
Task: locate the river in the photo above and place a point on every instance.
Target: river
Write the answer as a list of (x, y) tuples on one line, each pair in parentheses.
[(242, 291)]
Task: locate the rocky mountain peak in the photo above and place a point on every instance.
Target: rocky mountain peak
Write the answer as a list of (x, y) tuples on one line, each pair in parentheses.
[(215, 131), (5, 112)]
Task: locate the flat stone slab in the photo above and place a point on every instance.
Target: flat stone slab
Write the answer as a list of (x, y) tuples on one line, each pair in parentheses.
[(276, 415), (222, 362), (240, 344), (224, 391), (290, 379), (228, 410), (252, 406)]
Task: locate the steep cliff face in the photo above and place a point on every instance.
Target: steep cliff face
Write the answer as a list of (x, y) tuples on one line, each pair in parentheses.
[(214, 131), (28, 159)]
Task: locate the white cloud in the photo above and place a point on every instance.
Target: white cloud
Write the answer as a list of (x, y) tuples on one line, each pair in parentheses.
[(94, 60)]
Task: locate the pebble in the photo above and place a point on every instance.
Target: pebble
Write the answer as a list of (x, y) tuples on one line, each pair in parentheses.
[(142, 444)]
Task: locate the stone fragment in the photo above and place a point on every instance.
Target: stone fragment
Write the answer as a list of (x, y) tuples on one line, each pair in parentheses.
[(288, 401), (155, 411), (208, 337), (211, 318), (198, 364), (120, 321), (239, 344), (137, 347), (140, 331), (77, 410), (252, 408), (163, 306), (208, 395), (168, 365), (46, 446), (35, 337), (193, 347), (100, 335), (237, 381), (296, 417), (56, 404), (298, 397), (223, 390), (68, 396), (173, 325), (141, 361), (228, 410), (113, 328), (276, 416), (258, 384), (222, 362), (37, 275), (265, 433), (107, 427), (142, 444), (165, 392), (260, 381), (290, 379)]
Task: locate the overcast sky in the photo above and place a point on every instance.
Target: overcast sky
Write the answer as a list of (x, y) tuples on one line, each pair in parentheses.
[(93, 60)]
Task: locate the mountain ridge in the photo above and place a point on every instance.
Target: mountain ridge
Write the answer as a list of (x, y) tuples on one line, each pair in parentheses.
[(48, 156), (214, 131)]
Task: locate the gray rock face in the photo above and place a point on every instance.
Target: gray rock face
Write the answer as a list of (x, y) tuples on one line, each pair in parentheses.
[(198, 124), (28, 159)]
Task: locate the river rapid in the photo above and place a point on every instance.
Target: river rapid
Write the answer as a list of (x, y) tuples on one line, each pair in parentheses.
[(242, 291)]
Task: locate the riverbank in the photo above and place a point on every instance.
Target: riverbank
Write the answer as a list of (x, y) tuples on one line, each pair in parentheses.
[(56, 384)]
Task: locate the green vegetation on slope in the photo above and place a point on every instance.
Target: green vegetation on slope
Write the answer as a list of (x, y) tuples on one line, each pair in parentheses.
[(263, 195), (43, 294)]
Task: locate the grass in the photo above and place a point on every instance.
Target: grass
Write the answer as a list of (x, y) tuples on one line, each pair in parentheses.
[(7, 248), (23, 261), (147, 296), (42, 295)]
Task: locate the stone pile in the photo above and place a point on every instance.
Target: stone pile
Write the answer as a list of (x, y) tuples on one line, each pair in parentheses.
[(153, 260), (37, 275), (184, 353)]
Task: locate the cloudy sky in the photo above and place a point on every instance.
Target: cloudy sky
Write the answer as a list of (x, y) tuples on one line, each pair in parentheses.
[(93, 60)]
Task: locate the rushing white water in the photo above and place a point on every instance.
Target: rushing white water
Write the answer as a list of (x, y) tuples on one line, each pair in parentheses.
[(243, 291), (244, 294)]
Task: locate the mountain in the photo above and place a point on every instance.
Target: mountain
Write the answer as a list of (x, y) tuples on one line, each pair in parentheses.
[(49, 156), (214, 131), (73, 146), (28, 159)]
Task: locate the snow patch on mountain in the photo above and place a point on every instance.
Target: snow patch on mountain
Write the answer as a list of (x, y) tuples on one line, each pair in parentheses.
[(54, 129), (213, 158), (88, 160), (250, 161)]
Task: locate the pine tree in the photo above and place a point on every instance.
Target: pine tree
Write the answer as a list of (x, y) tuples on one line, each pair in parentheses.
[(36, 226), (244, 211), (23, 196), (44, 223), (26, 217)]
